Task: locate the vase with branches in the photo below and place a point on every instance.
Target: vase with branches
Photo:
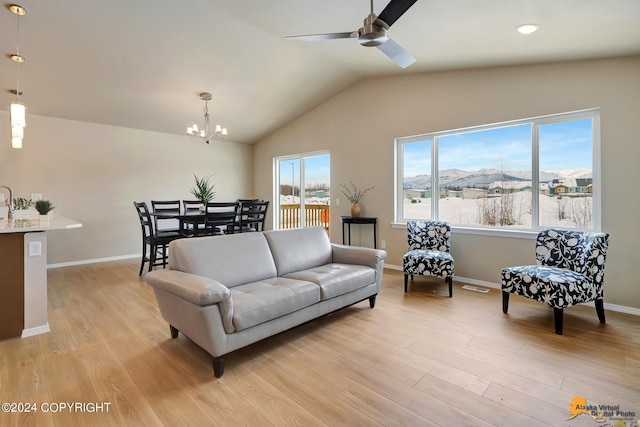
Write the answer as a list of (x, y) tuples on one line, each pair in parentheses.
[(354, 195)]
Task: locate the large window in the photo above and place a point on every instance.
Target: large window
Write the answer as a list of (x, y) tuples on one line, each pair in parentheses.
[(521, 175)]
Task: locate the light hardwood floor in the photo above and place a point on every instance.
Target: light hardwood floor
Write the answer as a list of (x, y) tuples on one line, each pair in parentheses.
[(416, 359)]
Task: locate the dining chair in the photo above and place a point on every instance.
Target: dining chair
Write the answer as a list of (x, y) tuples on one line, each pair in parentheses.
[(155, 243), (429, 251), (252, 215), (569, 270), (195, 227), (164, 225), (220, 218), (191, 205)]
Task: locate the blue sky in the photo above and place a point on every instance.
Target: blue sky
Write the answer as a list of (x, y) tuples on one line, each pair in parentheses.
[(316, 170), (564, 145)]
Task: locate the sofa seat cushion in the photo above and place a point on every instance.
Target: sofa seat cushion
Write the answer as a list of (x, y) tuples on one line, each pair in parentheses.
[(259, 302), (556, 287), (336, 279)]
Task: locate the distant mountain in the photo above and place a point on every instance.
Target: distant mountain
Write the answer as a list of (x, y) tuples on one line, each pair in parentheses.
[(572, 173), (457, 178)]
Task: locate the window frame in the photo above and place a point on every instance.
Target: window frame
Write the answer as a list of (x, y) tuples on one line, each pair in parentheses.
[(535, 122), (301, 178)]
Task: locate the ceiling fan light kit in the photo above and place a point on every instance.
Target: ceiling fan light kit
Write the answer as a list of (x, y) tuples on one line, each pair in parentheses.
[(374, 32)]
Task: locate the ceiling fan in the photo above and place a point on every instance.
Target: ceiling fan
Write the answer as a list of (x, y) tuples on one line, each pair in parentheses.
[(374, 32)]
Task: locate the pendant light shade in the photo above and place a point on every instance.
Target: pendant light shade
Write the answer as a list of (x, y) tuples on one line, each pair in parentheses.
[(18, 115)]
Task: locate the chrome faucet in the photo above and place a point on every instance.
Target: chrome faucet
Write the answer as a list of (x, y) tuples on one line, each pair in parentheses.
[(10, 202)]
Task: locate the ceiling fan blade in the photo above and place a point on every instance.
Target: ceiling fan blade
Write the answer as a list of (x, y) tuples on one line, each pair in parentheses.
[(328, 36), (396, 53), (394, 10)]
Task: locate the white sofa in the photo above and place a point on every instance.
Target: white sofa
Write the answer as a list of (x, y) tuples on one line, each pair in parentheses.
[(226, 292)]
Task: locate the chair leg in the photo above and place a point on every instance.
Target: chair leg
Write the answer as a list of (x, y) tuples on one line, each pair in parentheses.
[(164, 256), (152, 256), (600, 310), (406, 277), (557, 317), (144, 256), (450, 282), (505, 302)]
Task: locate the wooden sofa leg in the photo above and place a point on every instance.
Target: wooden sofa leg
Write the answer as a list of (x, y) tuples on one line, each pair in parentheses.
[(600, 310), (450, 282), (406, 278), (505, 302), (372, 301), (218, 366), (557, 317), (174, 332)]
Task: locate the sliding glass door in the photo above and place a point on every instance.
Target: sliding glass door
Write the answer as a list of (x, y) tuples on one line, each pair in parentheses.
[(302, 190)]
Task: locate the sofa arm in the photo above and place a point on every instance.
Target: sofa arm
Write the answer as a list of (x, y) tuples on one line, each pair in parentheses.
[(344, 254), (199, 290)]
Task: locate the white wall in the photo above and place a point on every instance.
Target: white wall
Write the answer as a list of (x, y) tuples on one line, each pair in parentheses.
[(358, 127), (93, 174)]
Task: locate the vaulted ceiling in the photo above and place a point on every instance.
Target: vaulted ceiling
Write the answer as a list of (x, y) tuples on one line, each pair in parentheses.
[(142, 63)]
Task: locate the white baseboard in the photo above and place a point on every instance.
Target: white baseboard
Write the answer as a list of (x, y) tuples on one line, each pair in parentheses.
[(35, 331), (607, 306), (93, 261)]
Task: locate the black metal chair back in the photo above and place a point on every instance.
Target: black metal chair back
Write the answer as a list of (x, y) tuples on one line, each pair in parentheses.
[(191, 205), (169, 206), (252, 215), (220, 217)]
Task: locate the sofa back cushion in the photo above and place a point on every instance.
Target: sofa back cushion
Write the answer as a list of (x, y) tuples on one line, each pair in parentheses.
[(232, 259), (299, 248)]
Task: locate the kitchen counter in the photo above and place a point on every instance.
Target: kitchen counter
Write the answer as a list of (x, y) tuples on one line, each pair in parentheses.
[(33, 223), (23, 263)]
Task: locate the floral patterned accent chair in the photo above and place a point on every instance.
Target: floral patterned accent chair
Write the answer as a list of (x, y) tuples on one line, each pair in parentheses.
[(569, 271), (429, 251)]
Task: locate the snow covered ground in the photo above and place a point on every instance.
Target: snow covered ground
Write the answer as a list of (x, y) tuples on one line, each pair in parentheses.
[(576, 210), (458, 211)]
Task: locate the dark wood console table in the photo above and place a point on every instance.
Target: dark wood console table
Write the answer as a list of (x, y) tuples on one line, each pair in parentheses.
[(359, 220)]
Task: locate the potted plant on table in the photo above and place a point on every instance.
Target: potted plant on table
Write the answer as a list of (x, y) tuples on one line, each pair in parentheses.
[(21, 207), (203, 190), (44, 207), (354, 194)]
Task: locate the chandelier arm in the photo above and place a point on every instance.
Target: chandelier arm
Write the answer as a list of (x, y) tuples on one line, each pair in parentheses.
[(207, 133)]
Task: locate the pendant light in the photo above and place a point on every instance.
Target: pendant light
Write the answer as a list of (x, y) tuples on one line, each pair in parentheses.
[(18, 110)]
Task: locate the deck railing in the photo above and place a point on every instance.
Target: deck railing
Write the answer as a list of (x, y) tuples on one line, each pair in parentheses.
[(314, 215)]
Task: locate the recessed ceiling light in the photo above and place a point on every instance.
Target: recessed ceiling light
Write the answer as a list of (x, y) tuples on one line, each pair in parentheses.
[(527, 28)]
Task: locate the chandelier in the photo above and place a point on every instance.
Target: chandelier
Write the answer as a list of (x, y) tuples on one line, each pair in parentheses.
[(207, 133), (18, 121)]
